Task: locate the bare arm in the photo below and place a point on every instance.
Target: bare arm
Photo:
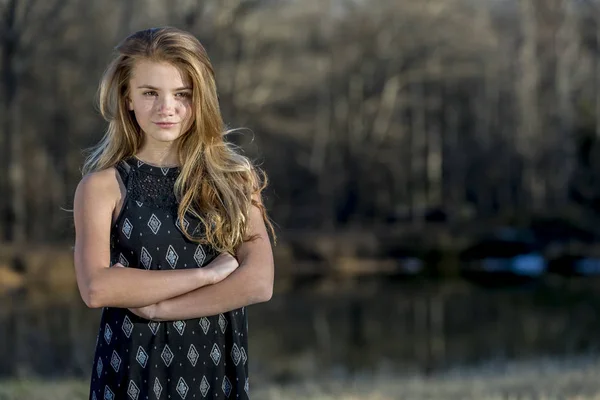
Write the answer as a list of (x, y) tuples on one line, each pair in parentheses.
[(251, 283), (96, 199)]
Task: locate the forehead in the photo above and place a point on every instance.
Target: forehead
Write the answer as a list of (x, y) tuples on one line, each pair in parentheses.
[(158, 74)]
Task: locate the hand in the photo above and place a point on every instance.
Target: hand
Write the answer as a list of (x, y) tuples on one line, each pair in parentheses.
[(221, 267), (148, 312)]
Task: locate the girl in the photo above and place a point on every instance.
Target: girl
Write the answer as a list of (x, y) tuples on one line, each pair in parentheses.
[(178, 215)]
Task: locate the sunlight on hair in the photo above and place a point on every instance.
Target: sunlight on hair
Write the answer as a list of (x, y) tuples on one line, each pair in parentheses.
[(217, 184)]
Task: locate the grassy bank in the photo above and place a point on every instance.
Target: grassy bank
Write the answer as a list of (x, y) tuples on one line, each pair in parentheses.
[(575, 378)]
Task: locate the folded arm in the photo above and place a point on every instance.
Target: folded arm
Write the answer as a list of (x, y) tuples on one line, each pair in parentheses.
[(251, 283), (97, 198)]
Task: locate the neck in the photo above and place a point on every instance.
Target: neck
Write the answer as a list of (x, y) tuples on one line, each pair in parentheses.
[(159, 154)]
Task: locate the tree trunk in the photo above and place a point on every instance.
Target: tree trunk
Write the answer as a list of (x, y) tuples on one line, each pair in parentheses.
[(15, 215), (533, 187), (566, 56), (418, 144)]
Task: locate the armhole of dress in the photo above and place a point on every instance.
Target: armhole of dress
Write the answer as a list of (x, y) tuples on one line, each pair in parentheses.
[(123, 172)]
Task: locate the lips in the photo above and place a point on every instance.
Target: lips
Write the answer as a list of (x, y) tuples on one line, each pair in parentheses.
[(166, 125)]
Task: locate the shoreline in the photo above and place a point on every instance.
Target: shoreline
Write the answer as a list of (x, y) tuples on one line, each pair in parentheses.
[(543, 378)]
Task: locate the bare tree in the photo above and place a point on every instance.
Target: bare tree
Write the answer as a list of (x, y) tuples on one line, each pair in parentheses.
[(364, 112), (12, 63), (527, 86), (567, 56)]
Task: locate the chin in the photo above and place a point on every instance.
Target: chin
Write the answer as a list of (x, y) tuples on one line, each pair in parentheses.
[(165, 137)]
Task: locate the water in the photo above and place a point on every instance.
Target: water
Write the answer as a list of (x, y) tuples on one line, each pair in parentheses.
[(339, 329)]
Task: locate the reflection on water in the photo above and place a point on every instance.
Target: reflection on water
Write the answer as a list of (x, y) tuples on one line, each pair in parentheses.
[(365, 326)]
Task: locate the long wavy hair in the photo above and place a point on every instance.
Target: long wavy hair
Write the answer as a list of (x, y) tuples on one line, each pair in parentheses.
[(217, 185)]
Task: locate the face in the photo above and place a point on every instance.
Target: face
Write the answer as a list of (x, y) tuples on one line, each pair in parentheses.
[(160, 98)]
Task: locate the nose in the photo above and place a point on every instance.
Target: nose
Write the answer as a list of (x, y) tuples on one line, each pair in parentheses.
[(166, 105)]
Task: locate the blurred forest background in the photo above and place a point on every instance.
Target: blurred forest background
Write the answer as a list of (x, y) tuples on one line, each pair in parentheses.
[(434, 170)]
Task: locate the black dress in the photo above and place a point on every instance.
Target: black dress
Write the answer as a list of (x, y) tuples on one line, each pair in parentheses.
[(137, 359)]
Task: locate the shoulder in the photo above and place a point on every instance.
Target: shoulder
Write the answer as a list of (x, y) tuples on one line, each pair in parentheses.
[(97, 186), (99, 180)]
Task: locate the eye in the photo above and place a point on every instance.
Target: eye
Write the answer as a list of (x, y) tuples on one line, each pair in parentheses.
[(183, 94), (150, 93)]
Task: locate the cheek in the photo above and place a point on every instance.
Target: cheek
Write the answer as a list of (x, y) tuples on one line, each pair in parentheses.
[(143, 108), (186, 111), (187, 116)]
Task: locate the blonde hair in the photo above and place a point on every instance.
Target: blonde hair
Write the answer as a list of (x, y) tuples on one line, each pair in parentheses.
[(216, 184)]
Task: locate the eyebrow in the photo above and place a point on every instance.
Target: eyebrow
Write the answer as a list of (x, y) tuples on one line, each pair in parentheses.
[(155, 88)]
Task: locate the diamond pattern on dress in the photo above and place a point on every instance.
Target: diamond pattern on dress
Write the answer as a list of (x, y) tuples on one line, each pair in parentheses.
[(115, 361), (193, 355), (145, 258), (127, 326), (172, 257), (186, 223), (247, 386), (226, 386), (165, 170), (157, 388), (123, 260), (154, 224), (107, 333), (222, 323), (153, 325), (136, 351), (182, 388), (108, 394), (99, 367), (133, 391), (244, 355), (167, 355), (180, 326), (236, 354), (204, 386), (199, 255), (127, 228), (204, 324), (142, 357), (215, 354)]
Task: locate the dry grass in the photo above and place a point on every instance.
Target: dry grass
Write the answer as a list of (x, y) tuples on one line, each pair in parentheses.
[(573, 379), (38, 390)]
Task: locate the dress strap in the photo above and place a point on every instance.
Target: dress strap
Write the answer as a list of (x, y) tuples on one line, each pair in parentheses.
[(124, 170)]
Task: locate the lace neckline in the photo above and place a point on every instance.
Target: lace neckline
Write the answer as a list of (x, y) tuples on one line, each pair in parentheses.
[(152, 169)]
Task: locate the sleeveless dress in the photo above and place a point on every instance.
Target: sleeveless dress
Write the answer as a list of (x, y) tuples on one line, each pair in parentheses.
[(138, 359)]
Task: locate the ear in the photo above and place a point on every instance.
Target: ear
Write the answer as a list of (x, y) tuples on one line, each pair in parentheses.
[(129, 104)]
